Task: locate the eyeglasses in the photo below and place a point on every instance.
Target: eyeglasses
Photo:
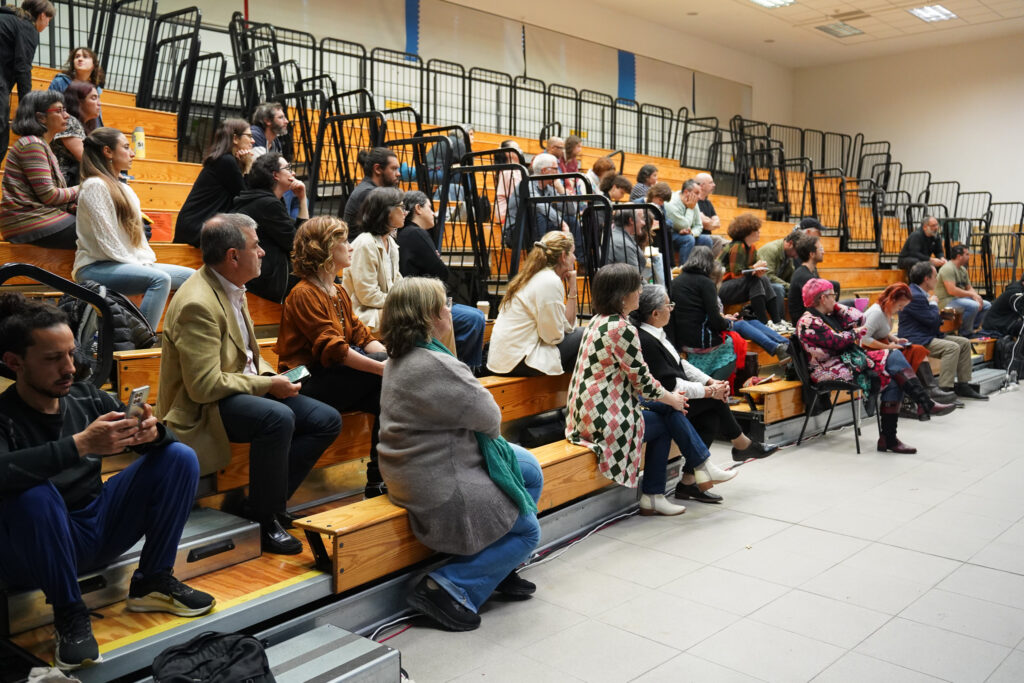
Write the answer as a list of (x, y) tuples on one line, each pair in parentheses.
[(56, 110), (286, 167), (670, 305), (245, 135), (448, 303)]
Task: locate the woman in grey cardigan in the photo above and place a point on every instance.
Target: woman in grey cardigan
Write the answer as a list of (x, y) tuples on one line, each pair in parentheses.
[(468, 492)]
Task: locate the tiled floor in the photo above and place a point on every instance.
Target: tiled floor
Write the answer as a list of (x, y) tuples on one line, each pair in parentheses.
[(821, 565)]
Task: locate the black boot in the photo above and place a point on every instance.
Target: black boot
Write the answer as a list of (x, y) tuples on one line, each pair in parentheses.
[(931, 385), (889, 416), (913, 388), (965, 390)]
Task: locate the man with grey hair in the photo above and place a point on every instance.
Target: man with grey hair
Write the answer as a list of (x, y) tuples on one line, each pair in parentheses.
[(216, 389), (628, 232), (923, 245), (556, 148), (548, 216), (708, 216), (684, 214), (269, 124)]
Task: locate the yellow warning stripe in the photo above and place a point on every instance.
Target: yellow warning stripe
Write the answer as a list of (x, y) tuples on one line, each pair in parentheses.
[(220, 606)]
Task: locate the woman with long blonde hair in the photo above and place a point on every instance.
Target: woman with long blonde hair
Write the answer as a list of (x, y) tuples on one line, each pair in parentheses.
[(535, 332), (112, 248)]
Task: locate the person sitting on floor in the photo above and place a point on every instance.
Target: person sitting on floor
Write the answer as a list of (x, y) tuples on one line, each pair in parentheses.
[(924, 244), (82, 102), (646, 177), (810, 251), (112, 247), (36, 201), (216, 389), (469, 493), (955, 291), (920, 323), (320, 331), (270, 178), (535, 332), (611, 379), (380, 169), (707, 408), (746, 276), (221, 180), (831, 333), (418, 257), (684, 216), (375, 259), (58, 519)]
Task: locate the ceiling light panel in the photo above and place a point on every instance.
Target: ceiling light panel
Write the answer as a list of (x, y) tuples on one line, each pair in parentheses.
[(840, 30), (932, 13), (772, 4)]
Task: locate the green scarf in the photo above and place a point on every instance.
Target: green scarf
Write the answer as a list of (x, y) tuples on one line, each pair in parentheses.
[(502, 464)]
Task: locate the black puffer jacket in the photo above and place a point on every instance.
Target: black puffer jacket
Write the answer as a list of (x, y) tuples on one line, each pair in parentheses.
[(18, 41)]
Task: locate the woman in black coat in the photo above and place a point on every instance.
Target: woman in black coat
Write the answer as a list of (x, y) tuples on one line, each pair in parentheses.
[(697, 321)]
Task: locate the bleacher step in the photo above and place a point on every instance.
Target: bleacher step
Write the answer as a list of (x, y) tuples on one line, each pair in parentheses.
[(988, 380), (211, 540), (329, 654)]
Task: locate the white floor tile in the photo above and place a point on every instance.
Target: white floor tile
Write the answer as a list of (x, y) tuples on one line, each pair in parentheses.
[(821, 618), (598, 652), (997, 624), (726, 590), (430, 654), (853, 667), (686, 667), (515, 624), (1010, 671), (866, 588), (669, 620), (511, 667), (993, 585)]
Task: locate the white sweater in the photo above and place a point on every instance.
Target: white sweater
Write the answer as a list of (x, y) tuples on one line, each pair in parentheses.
[(531, 326), (100, 237)]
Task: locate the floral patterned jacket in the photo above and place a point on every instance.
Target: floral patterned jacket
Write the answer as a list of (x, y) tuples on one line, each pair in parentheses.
[(834, 355)]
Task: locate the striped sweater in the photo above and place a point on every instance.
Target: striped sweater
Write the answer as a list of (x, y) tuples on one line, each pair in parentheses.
[(35, 198)]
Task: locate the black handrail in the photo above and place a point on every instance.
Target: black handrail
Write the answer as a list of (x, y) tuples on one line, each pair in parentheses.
[(546, 132)]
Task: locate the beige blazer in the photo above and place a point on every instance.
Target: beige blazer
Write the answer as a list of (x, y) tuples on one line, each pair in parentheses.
[(371, 276), (202, 362)]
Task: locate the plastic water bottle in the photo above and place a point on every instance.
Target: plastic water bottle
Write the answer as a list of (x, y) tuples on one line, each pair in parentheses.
[(139, 142), (94, 346)]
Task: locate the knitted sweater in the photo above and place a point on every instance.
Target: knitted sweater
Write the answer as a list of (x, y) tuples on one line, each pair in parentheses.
[(35, 196), (100, 236)]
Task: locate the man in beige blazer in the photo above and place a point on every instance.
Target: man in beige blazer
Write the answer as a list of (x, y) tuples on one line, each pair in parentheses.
[(216, 389)]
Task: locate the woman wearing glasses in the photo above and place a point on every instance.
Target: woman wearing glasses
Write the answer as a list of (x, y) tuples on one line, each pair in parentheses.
[(37, 203), (222, 179), (270, 178), (375, 264)]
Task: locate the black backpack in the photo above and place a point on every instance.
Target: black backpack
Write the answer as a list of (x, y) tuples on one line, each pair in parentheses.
[(213, 657), (1003, 357)]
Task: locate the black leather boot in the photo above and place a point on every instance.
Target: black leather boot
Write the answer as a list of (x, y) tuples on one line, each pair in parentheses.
[(931, 385), (913, 388), (889, 416)]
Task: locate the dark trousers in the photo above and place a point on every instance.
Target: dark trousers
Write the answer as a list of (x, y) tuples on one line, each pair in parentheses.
[(757, 290), (286, 437), (711, 417), (346, 389), (44, 545)]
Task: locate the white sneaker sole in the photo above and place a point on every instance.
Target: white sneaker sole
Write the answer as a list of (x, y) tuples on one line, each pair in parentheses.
[(64, 666), (154, 602)]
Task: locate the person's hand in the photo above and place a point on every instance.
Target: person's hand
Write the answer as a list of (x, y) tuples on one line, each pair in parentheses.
[(977, 299), (933, 299), (282, 387), (761, 265), (565, 227), (379, 368), (110, 434), (570, 279), (147, 426), (675, 400), (298, 188), (938, 262), (684, 231), (720, 390), (731, 316), (902, 341)]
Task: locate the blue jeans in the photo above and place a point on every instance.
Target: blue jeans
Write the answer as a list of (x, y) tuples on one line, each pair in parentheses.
[(45, 545), (894, 363), (759, 333), (286, 437), (684, 244), (155, 282), (665, 418), (468, 326), (973, 314), (471, 579), (780, 300)]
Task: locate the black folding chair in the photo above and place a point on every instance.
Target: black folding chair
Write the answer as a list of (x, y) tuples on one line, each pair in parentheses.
[(820, 389)]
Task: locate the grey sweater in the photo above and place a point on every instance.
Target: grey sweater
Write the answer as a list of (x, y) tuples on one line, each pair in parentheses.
[(431, 405)]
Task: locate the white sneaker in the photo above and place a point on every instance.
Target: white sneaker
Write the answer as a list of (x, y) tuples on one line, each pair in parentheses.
[(708, 474), (659, 505)]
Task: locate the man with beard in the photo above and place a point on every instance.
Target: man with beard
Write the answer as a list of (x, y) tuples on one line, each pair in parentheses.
[(57, 517), (269, 122), (381, 169), (810, 252)]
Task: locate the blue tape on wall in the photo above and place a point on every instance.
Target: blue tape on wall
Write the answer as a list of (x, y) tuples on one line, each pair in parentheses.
[(412, 26), (627, 75)]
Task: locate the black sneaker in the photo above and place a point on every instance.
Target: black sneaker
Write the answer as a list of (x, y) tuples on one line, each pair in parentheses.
[(515, 586), (164, 593), (375, 489), (437, 604), (76, 646)]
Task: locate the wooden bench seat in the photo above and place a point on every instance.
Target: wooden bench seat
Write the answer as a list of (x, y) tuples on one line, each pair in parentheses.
[(372, 538), (781, 400)]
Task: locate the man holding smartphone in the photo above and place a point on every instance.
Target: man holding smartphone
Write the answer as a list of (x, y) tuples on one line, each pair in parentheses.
[(57, 517)]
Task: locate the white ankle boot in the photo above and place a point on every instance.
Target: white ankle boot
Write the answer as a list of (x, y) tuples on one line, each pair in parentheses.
[(708, 474), (659, 505)]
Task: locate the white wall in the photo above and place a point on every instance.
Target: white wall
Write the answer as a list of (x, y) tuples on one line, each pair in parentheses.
[(955, 110)]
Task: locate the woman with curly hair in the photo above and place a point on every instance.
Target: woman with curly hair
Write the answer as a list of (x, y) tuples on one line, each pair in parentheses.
[(745, 276)]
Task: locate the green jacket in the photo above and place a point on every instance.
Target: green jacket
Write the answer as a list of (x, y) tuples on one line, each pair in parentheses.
[(780, 266)]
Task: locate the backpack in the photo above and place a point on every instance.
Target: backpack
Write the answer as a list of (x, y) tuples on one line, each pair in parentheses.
[(213, 657), (1003, 357)]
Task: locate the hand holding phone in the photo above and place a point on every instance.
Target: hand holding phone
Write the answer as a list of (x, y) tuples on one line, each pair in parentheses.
[(136, 400), (296, 374)]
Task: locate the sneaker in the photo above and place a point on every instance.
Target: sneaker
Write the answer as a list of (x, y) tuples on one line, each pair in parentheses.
[(164, 593), (515, 586), (435, 602), (375, 489), (76, 646)]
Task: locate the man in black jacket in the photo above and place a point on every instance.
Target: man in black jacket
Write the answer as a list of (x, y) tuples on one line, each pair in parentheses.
[(57, 517), (19, 36), (923, 245)]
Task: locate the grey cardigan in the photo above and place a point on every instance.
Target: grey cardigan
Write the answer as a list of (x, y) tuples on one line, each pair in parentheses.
[(431, 405)]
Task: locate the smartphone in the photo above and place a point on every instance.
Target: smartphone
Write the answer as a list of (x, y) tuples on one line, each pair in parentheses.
[(296, 374), (137, 400)]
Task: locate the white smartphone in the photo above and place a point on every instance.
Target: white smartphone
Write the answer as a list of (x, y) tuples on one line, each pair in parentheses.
[(137, 400)]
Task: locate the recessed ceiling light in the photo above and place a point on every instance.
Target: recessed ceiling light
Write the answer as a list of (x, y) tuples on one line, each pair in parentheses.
[(932, 13), (840, 30), (772, 4)]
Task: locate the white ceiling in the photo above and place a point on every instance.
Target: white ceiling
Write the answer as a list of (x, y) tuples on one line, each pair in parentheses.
[(888, 29)]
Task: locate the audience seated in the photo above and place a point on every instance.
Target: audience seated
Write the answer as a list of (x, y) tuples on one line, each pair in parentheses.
[(646, 177), (556, 148), (216, 389), (320, 331), (630, 244), (375, 259), (878, 321), (708, 216), (547, 215), (36, 201), (601, 167), (660, 194), (955, 291), (221, 180), (1004, 318), (611, 378), (698, 326), (924, 244), (381, 169), (468, 492), (746, 276), (82, 103), (435, 161), (535, 332), (418, 257), (810, 251), (615, 186), (707, 408), (780, 257), (82, 65), (269, 125), (920, 322), (506, 183), (570, 161), (270, 178), (58, 519), (682, 212), (19, 36), (112, 247)]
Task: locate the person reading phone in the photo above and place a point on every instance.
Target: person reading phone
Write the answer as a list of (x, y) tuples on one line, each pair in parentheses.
[(58, 519), (215, 389)]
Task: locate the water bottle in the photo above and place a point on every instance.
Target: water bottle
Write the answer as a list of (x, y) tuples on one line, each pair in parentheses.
[(94, 346), (139, 142)]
